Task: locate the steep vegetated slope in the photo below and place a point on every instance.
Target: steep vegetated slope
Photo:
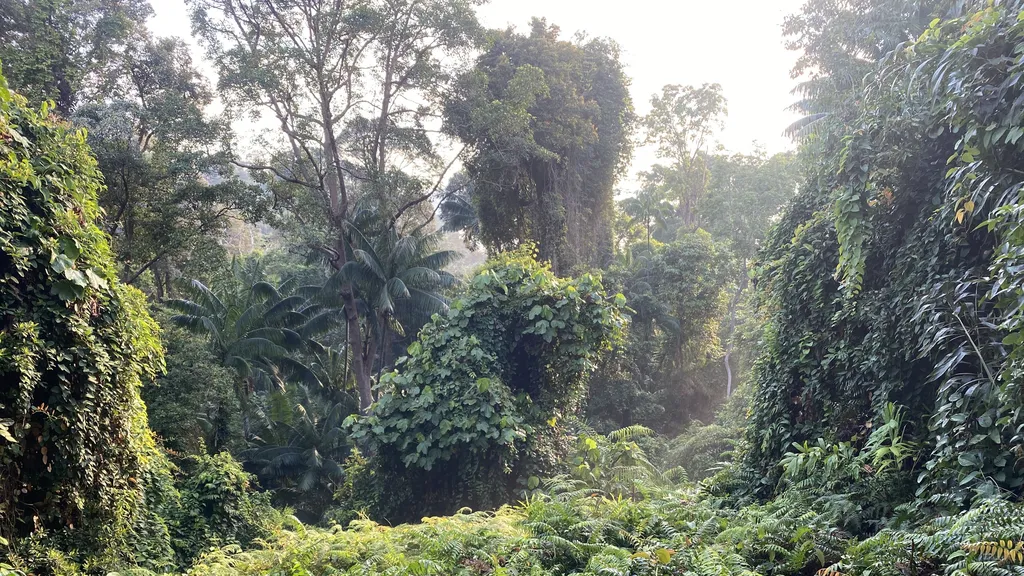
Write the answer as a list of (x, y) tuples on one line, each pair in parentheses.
[(881, 432)]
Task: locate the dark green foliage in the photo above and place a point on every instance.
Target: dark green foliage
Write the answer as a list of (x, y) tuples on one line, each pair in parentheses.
[(665, 374), (266, 334), (217, 505), (492, 377), (879, 279), (76, 345), (300, 455), (193, 407), (549, 122)]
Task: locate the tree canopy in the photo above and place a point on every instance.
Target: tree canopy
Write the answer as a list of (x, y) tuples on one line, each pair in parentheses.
[(549, 124)]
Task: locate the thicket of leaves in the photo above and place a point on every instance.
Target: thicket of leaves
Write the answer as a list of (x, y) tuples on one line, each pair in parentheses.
[(665, 373), (893, 276), (76, 345), (84, 486), (486, 383)]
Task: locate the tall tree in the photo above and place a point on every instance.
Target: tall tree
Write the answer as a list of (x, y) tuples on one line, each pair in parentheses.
[(838, 44), (681, 123), (548, 122), (62, 50), (170, 190), (350, 87)]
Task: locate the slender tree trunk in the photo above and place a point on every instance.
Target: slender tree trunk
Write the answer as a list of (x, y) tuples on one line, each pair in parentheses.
[(338, 200), (733, 304), (353, 331)]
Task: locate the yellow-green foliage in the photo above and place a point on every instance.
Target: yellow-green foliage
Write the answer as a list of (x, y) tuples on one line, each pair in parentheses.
[(75, 347), (673, 531), (579, 527)]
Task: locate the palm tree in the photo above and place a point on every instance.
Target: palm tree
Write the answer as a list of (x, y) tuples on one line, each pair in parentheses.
[(257, 329), (458, 212), (650, 210), (399, 281), (304, 453)]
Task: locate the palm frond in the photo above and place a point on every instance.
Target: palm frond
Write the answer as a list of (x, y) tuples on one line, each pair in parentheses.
[(255, 347)]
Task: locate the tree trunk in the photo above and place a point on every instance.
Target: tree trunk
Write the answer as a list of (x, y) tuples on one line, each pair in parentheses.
[(733, 304)]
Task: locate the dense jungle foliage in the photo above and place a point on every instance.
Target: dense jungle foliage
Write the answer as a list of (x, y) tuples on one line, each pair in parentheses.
[(424, 323)]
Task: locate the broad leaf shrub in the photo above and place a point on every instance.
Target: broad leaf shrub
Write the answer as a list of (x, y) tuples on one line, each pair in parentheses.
[(75, 347), (477, 402)]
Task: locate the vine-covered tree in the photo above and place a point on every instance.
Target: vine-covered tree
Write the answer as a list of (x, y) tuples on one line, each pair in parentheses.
[(548, 122), (75, 347)]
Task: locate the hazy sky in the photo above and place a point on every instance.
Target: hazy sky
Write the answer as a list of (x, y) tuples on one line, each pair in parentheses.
[(736, 43)]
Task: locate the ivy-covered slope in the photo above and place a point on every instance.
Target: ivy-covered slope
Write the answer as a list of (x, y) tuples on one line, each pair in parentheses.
[(75, 343), (895, 275)]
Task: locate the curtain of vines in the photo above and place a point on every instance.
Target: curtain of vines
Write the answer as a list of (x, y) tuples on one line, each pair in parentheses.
[(549, 123), (896, 274)]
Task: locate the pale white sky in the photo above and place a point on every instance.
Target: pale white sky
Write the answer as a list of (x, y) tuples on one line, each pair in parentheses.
[(736, 43)]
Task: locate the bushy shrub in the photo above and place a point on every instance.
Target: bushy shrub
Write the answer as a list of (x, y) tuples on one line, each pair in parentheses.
[(217, 505), (484, 387), (193, 407)]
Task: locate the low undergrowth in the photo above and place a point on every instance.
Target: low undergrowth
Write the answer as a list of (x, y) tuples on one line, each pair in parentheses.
[(675, 530), (615, 514)]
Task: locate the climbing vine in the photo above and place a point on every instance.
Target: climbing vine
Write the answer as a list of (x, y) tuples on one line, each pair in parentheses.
[(75, 345)]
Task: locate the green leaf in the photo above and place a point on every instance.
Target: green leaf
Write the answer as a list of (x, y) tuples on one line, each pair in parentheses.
[(61, 263), (95, 280), (67, 290)]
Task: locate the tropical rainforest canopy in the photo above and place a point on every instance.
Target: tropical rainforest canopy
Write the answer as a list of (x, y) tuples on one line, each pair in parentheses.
[(429, 322)]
